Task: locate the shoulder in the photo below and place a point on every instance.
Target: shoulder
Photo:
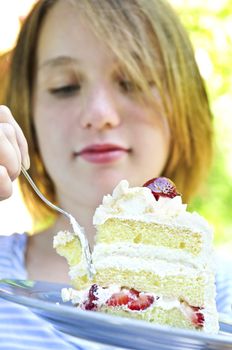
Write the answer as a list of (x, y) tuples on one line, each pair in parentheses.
[(12, 243), (12, 256), (12, 240)]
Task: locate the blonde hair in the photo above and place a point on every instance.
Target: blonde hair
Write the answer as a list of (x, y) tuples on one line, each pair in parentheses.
[(4, 68), (151, 43)]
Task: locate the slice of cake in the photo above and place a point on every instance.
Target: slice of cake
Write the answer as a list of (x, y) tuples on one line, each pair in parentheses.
[(152, 259)]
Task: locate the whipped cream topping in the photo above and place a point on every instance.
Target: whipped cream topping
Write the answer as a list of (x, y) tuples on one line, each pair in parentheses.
[(138, 203)]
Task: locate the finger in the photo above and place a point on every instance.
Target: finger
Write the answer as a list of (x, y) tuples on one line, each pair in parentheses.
[(10, 156), (6, 117), (6, 189)]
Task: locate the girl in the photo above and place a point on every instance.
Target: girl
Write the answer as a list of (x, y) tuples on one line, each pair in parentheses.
[(103, 90)]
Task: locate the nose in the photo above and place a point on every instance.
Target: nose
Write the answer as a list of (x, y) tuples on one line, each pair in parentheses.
[(101, 110)]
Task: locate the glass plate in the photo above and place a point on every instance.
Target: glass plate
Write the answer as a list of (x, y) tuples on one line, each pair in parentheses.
[(44, 299)]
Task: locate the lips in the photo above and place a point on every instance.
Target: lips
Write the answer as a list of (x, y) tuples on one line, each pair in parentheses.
[(102, 153)]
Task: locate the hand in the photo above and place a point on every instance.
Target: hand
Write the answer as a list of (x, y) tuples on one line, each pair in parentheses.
[(13, 151)]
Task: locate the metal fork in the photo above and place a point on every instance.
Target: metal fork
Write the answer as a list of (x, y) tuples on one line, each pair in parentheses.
[(76, 227)]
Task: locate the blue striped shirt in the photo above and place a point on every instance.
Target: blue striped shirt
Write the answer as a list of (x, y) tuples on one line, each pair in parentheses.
[(21, 329)]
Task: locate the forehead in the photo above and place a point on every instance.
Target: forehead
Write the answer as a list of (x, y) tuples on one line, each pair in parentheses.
[(66, 31)]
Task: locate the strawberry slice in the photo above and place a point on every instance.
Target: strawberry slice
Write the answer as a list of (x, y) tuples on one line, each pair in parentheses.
[(133, 299), (118, 299), (90, 303), (198, 317), (141, 303)]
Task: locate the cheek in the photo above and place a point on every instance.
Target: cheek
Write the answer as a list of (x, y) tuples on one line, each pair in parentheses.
[(154, 144), (52, 135), (152, 138), (151, 126), (51, 119)]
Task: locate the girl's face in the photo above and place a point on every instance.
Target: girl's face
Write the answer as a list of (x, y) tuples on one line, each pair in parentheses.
[(91, 130)]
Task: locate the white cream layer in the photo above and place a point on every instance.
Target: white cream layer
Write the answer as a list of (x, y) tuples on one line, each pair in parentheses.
[(160, 267), (149, 252), (139, 204)]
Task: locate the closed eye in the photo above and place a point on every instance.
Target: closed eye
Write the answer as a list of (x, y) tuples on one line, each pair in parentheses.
[(127, 85), (66, 90)]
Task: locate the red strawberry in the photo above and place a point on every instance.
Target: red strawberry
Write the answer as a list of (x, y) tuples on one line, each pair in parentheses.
[(141, 303), (162, 187), (133, 299), (118, 299), (197, 317)]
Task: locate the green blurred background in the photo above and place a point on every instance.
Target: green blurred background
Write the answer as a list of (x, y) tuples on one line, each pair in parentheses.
[(209, 23)]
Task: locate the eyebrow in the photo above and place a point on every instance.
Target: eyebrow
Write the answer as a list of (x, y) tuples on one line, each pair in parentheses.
[(58, 61)]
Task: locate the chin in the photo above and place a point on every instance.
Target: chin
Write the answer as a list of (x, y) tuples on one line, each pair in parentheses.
[(105, 184), (101, 185), (95, 185)]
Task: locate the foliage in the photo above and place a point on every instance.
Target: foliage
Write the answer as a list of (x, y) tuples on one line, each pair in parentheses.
[(209, 24)]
